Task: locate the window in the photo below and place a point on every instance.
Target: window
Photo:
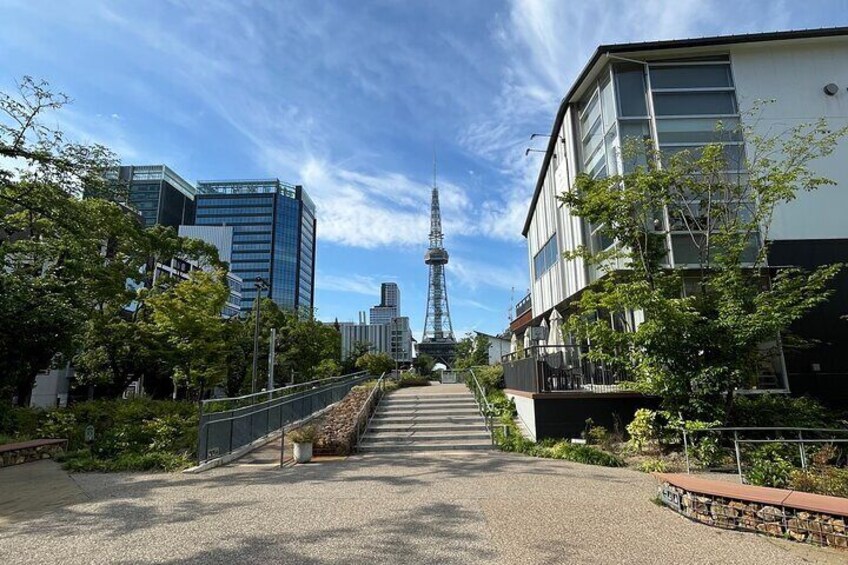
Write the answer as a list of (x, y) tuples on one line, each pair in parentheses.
[(630, 88), (546, 257), (690, 76), (694, 103)]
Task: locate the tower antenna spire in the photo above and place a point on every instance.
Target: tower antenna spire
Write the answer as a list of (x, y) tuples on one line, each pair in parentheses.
[(438, 340)]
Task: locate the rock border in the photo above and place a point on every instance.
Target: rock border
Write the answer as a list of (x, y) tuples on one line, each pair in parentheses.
[(782, 521)]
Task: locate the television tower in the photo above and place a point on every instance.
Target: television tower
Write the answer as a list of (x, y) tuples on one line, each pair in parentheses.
[(438, 340)]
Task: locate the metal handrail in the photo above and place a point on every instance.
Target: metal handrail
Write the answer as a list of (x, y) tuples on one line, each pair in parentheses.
[(360, 430), (273, 391), (483, 405), (737, 441)]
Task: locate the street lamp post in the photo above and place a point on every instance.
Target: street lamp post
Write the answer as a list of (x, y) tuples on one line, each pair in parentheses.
[(260, 286)]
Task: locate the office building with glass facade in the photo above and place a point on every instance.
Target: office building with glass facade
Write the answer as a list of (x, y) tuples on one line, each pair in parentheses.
[(159, 194), (273, 236)]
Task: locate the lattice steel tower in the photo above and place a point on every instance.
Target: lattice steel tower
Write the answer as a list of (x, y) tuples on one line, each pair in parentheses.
[(438, 340)]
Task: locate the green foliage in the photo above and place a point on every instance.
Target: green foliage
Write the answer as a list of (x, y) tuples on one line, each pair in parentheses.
[(586, 454), (303, 434), (822, 477), (770, 467), (413, 380), (653, 465), (472, 351), (769, 410), (58, 424), (490, 377), (598, 435), (424, 364), (84, 461), (654, 428), (705, 329), (188, 319), (375, 363), (138, 434)]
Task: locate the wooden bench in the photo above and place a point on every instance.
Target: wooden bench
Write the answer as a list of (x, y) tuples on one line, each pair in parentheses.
[(34, 450)]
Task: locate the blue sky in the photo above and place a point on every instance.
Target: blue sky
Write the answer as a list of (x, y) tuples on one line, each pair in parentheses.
[(350, 98)]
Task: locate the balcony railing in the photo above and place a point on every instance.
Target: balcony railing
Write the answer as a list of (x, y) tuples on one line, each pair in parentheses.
[(523, 306), (558, 368)]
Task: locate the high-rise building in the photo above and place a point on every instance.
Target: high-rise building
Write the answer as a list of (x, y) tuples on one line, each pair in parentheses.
[(393, 338), (389, 307), (273, 236), (159, 194)]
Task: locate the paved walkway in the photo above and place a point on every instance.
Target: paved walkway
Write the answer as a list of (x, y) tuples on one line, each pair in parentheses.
[(428, 508)]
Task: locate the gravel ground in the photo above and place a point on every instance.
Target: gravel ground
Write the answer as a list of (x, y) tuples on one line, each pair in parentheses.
[(423, 508)]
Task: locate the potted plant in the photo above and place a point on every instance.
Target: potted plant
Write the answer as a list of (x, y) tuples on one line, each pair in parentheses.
[(303, 438)]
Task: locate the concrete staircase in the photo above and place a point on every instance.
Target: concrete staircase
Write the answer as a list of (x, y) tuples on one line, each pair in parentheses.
[(434, 418)]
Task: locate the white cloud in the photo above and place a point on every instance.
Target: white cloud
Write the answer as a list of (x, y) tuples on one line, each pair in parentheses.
[(356, 284), (473, 274)]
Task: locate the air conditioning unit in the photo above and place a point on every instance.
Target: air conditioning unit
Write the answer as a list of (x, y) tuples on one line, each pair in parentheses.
[(538, 333)]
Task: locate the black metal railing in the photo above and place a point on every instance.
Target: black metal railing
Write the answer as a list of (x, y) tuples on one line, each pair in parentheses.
[(228, 424), (523, 306), (557, 368)]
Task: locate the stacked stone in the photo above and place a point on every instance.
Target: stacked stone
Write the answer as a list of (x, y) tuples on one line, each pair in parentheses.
[(25, 455), (817, 528), (338, 430)]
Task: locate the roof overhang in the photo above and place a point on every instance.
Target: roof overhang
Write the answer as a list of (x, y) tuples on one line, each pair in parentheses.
[(645, 49)]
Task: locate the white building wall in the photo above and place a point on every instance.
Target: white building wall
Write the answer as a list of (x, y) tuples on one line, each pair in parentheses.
[(526, 409), (793, 74), (567, 276)]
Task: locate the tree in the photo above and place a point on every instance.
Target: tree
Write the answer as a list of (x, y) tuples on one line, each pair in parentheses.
[(707, 329), (188, 318), (472, 351), (51, 242), (375, 363), (116, 345), (359, 349), (424, 364)]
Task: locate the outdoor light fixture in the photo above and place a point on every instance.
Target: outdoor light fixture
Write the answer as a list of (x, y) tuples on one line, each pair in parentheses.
[(531, 150), (831, 89)]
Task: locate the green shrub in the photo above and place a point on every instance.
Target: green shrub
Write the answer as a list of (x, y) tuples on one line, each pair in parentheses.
[(490, 378), (598, 435), (705, 446), (653, 465), (654, 428), (413, 380), (769, 410), (85, 461), (770, 467), (829, 481), (303, 434), (586, 454), (58, 424)]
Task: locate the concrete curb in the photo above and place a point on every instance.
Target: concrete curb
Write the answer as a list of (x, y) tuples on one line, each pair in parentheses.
[(244, 450)]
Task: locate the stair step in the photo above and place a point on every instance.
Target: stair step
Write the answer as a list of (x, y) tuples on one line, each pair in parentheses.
[(429, 409), (427, 402), (417, 436), (395, 446), (429, 397), (425, 418), (424, 407), (471, 425)]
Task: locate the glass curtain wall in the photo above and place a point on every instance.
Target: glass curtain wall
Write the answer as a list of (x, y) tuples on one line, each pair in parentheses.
[(673, 105)]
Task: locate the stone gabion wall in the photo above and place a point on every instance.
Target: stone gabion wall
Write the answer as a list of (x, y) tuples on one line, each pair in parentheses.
[(790, 523), (19, 456)]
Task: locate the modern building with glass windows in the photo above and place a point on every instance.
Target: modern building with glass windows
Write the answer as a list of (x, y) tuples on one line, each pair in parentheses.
[(681, 95), (273, 236), (159, 194)]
